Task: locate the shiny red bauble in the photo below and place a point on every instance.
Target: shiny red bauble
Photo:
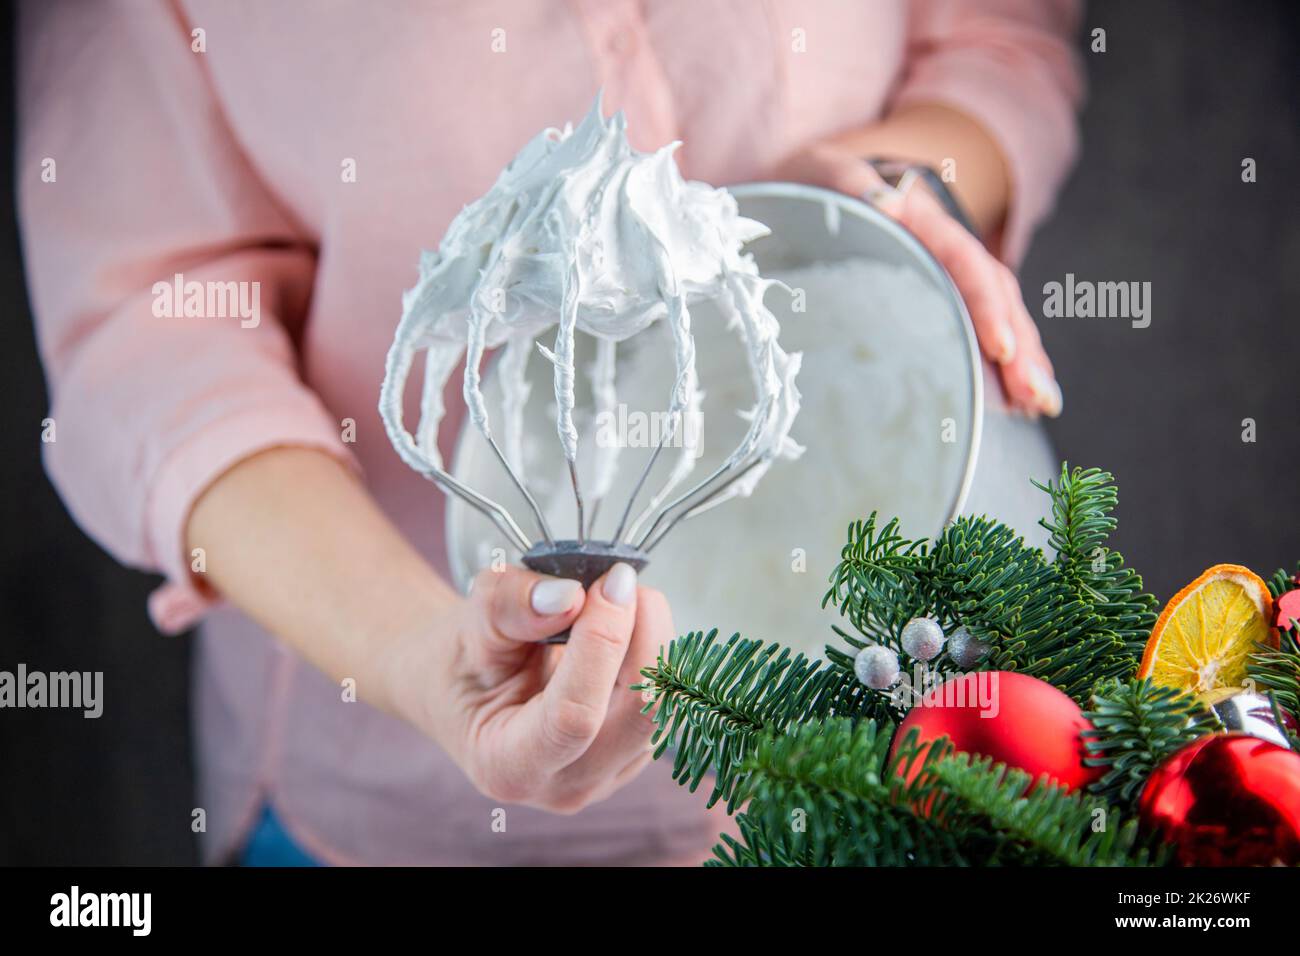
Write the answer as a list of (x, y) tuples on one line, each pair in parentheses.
[(1227, 800), (1015, 719)]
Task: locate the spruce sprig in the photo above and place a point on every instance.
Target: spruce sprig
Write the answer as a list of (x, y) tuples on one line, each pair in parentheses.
[(880, 583), (712, 701), (1136, 725), (828, 795), (1277, 672), (753, 848), (1283, 581), (1080, 525), (1072, 621), (1048, 825)]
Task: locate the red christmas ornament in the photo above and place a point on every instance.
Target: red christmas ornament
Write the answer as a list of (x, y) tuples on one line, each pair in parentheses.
[(1015, 719), (1227, 800)]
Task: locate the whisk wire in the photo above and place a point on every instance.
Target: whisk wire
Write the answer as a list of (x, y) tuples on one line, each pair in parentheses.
[(523, 490), (686, 504), (577, 495), (494, 511), (711, 500), (636, 489)]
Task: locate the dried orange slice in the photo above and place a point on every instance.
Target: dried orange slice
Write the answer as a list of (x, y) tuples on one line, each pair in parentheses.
[(1207, 632)]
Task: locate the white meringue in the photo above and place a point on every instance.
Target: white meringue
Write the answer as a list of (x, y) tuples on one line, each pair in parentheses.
[(584, 233)]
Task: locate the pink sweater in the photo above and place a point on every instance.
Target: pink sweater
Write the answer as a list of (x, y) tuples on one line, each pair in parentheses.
[(149, 149)]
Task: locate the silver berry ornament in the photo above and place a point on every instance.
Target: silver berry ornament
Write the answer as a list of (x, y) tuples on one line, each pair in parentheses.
[(876, 666), (965, 649), (922, 638)]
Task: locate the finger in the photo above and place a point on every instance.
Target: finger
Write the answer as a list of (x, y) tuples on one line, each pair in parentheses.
[(832, 168), (974, 271), (847, 174), (565, 798), (576, 699), (628, 773), (524, 607), (972, 268), (626, 732), (1029, 379)]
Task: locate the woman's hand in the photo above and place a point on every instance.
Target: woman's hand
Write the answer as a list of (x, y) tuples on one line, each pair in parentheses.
[(551, 727), (1006, 332), (294, 539)]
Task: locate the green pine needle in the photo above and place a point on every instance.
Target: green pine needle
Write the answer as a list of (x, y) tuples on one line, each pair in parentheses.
[(753, 848), (1277, 672), (1072, 621), (1283, 581), (1135, 727), (712, 702), (1080, 525), (1049, 825), (827, 795)]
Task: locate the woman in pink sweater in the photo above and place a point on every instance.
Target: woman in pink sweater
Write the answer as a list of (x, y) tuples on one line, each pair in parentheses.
[(306, 152)]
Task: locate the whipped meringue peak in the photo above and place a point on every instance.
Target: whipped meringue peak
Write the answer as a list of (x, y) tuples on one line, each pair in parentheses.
[(582, 233)]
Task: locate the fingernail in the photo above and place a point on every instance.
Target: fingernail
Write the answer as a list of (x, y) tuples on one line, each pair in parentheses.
[(620, 584), (885, 198), (1047, 393), (1006, 346), (554, 595)]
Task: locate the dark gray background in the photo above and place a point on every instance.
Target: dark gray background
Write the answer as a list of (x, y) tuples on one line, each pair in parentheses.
[(1185, 91)]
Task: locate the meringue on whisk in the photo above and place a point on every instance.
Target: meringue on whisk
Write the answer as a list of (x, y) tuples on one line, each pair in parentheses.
[(583, 234)]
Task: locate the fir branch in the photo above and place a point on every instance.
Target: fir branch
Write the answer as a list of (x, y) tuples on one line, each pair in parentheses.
[(1283, 581), (1135, 726), (879, 582), (712, 702), (828, 795), (753, 848), (1080, 525), (1049, 824), (987, 578), (1276, 672), (1081, 520), (979, 574)]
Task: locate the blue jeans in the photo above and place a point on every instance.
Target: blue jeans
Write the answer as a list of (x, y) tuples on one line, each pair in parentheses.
[(270, 845)]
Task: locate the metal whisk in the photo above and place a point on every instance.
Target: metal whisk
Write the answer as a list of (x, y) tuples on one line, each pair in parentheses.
[(529, 256), (583, 557)]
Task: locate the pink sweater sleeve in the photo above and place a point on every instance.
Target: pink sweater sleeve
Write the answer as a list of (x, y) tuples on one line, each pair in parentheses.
[(127, 177), (1011, 66)]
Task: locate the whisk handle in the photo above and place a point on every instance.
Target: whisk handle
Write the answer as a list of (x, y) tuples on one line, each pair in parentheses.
[(583, 561)]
